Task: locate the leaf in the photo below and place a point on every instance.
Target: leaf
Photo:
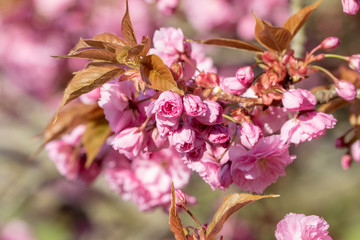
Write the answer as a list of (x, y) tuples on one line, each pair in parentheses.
[(157, 75), (94, 137), (95, 54), (231, 43), (230, 205), (69, 118), (86, 80), (127, 28), (110, 38), (272, 38), (174, 220), (296, 21)]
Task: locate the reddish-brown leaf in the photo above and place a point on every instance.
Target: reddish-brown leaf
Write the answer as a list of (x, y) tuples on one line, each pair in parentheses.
[(127, 28), (230, 205), (95, 135), (157, 75), (296, 21), (95, 54), (88, 79), (110, 38), (231, 43), (174, 220), (272, 38), (69, 118)]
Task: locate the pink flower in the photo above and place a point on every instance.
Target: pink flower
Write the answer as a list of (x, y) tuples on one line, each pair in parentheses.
[(183, 139), (350, 6), (298, 226), (169, 44), (354, 62), (129, 142), (232, 85), (224, 175), (198, 151), (146, 180), (306, 127), (249, 134), (155, 142), (213, 113), (346, 90), (168, 105), (194, 106), (256, 169), (271, 119), (330, 43), (218, 134), (355, 151), (91, 97), (298, 100), (114, 100), (69, 163)]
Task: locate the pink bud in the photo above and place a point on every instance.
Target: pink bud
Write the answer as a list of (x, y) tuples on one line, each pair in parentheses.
[(224, 175), (169, 105), (346, 90), (249, 134), (183, 139), (129, 142), (180, 198), (245, 75), (218, 134), (354, 62), (350, 6), (198, 152), (287, 56), (194, 106), (330, 43), (207, 80), (213, 114), (232, 85), (298, 100), (346, 161)]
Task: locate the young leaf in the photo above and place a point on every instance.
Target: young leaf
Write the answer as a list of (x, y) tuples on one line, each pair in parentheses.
[(95, 54), (296, 21), (157, 75), (231, 43), (88, 79), (95, 135), (174, 220), (110, 38), (230, 205), (272, 38), (127, 28)]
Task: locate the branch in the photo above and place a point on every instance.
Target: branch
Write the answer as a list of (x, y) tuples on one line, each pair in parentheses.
[(326, 95)]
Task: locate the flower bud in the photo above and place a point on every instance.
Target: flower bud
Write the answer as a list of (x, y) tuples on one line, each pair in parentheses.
[(194, 106), (176, 70), (180, 199), (207, 80), (224, 175), (346, 161), (183, 139), (249, 134), (330, 43), (355, 151), (350, 6), (218, 134), (129, 142), (233, 85), (354, 62), (213, 114), (346, 90), (340, 143), (245, 75), (298, 100)]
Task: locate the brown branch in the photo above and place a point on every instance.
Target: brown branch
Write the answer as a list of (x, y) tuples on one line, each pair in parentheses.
[(326, 95), (245, 102)]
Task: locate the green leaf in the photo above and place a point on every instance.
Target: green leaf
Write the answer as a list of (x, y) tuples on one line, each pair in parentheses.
[(157, 75), (296, 21), (230, 205), (272, 38), (94, 137), (88, 79), (231, 43), (174, 220), (127, 28)]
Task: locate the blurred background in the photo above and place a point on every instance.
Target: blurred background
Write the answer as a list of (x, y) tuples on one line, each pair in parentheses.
[(37, 203)]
